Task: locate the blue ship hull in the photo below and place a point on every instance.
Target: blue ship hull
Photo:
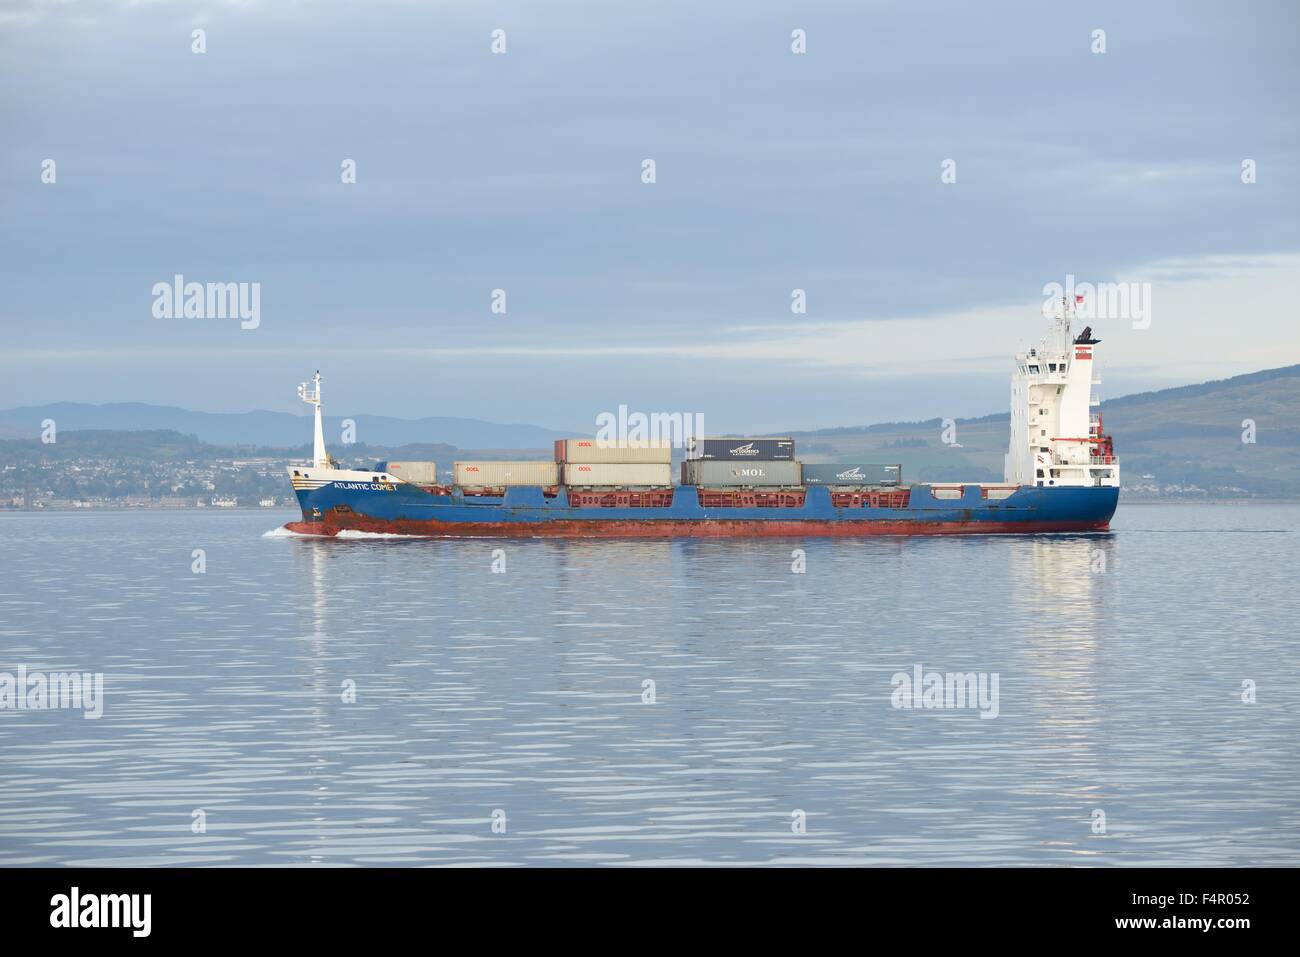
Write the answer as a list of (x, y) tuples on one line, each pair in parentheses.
[(403, 508)]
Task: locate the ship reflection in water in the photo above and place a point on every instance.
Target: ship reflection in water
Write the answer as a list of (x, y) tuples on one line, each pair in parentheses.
[(384, 701)]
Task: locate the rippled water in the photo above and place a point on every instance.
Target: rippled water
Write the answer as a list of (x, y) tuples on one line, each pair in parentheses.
[(1120, 690)]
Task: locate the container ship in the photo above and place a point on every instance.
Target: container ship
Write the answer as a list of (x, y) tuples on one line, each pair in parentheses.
[(1061, 475)]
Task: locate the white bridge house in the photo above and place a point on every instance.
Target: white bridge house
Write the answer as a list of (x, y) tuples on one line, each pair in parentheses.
[(1056, 435)]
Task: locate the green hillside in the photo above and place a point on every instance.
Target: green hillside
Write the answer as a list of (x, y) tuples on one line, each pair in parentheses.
[(1184, 442)]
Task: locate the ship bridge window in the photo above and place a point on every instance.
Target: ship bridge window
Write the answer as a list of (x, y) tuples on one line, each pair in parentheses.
[(1051, 367), (1033, 368)]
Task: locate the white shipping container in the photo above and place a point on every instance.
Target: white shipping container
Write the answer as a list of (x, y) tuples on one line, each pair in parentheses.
[(590, 451), (496, 474), (625, 474), (421, 473)]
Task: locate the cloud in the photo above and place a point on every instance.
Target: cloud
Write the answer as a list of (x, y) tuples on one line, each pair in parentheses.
[(521, 172)]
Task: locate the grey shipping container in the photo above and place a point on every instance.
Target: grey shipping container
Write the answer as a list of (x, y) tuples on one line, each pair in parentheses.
[(717, 473), (620, 473), (742, 449), (592, 451), (497, 474), (420, 473), (856, 474)]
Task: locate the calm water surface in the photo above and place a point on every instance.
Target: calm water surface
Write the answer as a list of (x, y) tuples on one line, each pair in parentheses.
[(1120, 691)]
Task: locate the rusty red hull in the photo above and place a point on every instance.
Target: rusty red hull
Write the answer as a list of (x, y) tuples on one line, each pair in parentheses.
[(659, 528)]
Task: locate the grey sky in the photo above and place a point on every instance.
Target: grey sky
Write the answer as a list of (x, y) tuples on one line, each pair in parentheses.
[(522, 171)]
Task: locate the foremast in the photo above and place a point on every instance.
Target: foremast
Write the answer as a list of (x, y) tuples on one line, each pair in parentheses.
[(310, 393)]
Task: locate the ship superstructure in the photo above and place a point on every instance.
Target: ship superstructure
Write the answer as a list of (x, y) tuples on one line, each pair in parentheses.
[(1057, 438)]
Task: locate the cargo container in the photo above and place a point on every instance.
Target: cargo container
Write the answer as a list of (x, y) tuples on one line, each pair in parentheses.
[(497, 474), (591, 452), (742, 449), (622, 473), (715, 473), (855, 474), (420, 473)]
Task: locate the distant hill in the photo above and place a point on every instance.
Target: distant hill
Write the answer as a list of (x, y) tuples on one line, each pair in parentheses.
[(1185, 440), (169, 446), (1180, 437), (277, 429)]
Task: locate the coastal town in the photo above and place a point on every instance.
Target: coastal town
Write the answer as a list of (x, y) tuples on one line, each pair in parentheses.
[(106, 483)]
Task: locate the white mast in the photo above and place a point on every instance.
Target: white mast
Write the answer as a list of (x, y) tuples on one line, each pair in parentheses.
[(311, 395)]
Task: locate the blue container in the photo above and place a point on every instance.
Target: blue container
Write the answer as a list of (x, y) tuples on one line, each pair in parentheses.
[(741, 449), (852, 474)]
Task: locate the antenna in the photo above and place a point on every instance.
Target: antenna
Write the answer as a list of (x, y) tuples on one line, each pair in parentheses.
[(310, 393)]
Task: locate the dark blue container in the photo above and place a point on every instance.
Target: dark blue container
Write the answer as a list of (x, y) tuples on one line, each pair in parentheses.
[(741, 449)]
